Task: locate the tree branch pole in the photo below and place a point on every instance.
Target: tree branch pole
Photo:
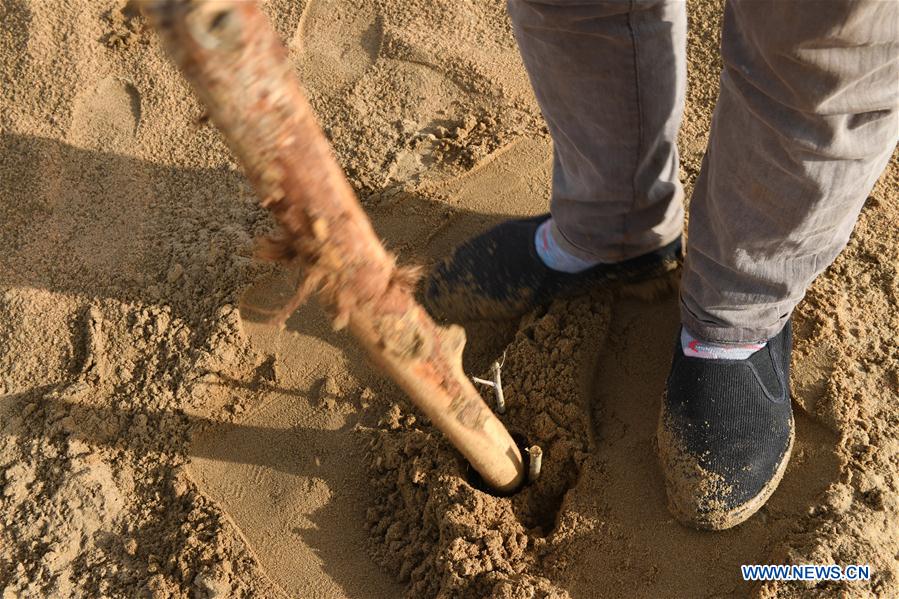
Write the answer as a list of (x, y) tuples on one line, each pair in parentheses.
[(239, 69)]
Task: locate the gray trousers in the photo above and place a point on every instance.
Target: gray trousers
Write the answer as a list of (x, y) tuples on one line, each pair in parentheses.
[(807, 118)]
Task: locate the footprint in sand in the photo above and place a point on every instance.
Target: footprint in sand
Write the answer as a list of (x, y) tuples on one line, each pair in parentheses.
[(337, 42), (106, 115)]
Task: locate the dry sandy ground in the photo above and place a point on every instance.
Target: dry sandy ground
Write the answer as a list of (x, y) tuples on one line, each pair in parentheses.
[(158, 440)]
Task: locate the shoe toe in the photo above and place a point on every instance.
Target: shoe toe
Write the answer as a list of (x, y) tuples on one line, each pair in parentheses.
[(709, 496)]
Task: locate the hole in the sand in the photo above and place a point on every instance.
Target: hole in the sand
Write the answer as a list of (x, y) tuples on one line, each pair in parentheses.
[(476, 480), (536, 504)]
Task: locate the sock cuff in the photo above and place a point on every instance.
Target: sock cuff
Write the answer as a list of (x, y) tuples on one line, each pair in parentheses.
[(694, 347), (553, 255)]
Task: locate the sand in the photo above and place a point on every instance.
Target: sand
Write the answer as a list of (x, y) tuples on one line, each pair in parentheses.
[(158, 439)]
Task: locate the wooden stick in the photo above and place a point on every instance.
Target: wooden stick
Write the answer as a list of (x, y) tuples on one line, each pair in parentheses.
[(239, 68)]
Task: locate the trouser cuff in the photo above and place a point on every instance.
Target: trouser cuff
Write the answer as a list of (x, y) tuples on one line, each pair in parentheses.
[(709, 329), (621, 252)]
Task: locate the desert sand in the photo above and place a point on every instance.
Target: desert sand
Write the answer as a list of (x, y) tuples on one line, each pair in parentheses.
[(159, 439)]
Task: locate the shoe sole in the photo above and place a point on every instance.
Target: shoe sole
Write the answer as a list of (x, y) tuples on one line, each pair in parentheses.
[(722, 520)]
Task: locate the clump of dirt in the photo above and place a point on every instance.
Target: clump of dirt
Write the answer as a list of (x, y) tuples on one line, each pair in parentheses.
[(126, 26), (461, 142), (438, 532)]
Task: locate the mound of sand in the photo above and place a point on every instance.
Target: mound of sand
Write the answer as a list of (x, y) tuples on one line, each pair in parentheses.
[(443, 536), (157, 439)]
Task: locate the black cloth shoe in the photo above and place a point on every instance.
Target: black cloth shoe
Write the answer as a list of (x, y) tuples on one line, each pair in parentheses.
[(498, 275), (725, 433)]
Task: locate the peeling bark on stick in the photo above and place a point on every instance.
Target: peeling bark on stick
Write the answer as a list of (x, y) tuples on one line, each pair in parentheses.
[(239, 69)]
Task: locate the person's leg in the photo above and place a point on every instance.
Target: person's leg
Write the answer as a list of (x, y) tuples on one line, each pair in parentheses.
[(806, 119), (609, 76)]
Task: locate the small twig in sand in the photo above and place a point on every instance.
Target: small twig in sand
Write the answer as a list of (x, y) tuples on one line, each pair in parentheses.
[(536, 462), (497, 384)]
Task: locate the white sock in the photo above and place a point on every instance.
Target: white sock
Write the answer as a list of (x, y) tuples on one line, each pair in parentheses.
[(697, 348), (554, 256)]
